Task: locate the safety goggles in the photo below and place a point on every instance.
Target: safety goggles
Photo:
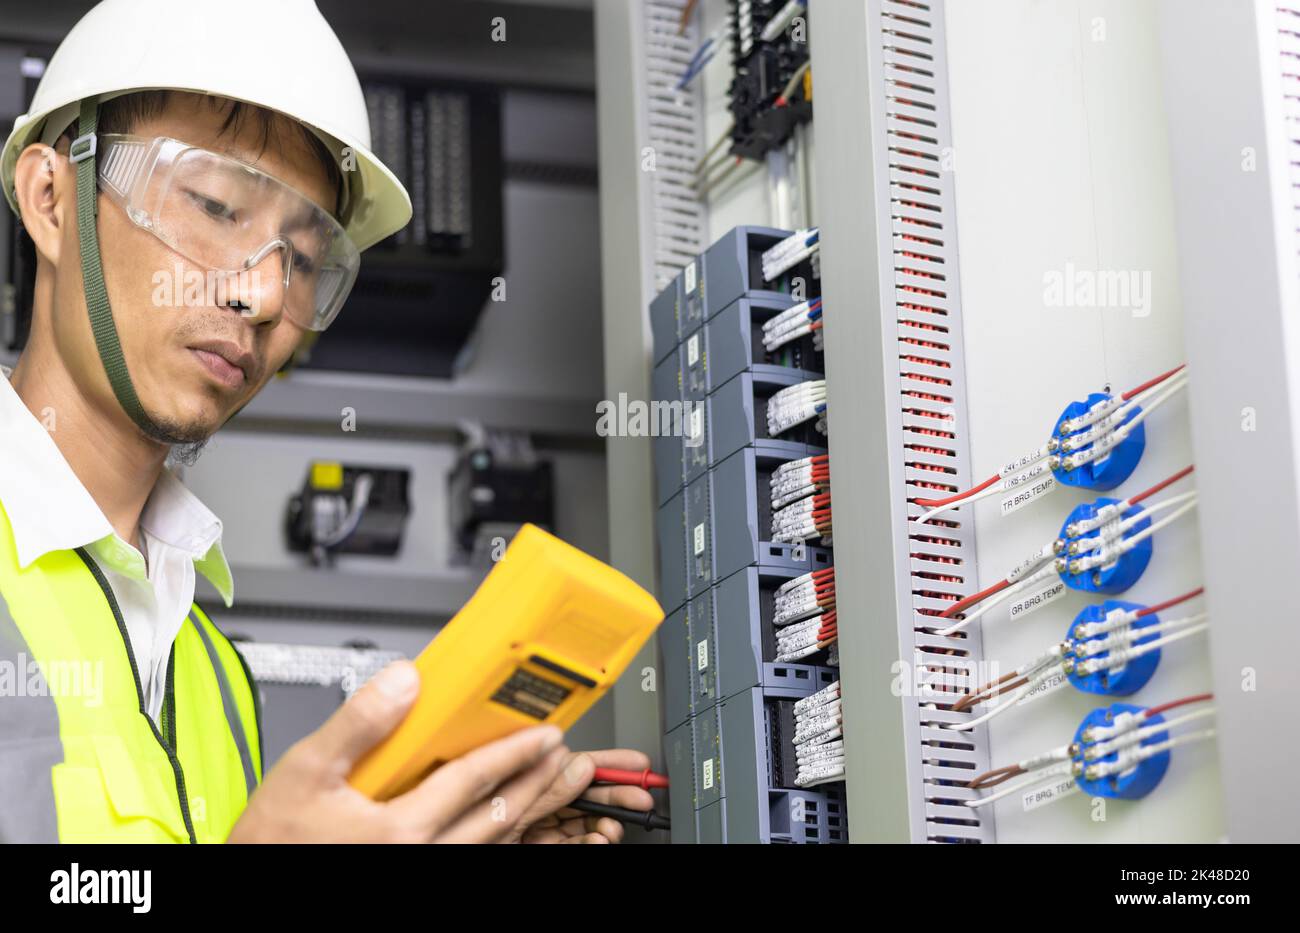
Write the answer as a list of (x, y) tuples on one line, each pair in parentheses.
[(229, 218)]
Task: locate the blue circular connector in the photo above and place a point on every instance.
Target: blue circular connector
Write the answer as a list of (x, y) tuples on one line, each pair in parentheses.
[(1115, 577), (1108, 471), (1135, 673), (1139, 780)]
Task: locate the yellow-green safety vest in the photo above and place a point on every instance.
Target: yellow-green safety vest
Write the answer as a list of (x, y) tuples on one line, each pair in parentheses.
[(80, 759)]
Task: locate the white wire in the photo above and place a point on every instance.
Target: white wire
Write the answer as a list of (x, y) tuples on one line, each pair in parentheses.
[(1092, 542), (1127, 544), (1125, 636), (1112, 438), (1099, 750), (1034, 779), (1123, 656), (938, 509), (988, 603), (995, 711), (1143, 752)]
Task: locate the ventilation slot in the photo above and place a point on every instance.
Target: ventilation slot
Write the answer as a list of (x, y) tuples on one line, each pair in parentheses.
[(673, 119), (917, 137)]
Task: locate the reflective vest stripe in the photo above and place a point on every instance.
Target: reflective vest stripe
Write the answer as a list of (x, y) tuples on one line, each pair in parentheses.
[(29, 740), (232, 713)]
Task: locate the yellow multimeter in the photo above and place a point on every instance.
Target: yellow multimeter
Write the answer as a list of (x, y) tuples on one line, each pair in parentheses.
[(546, 634)]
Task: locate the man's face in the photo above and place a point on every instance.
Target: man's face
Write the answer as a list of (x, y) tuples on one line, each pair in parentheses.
[(196, 353)]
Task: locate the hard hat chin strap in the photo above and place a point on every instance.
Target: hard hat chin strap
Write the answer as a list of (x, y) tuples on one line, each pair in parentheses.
[(82, 154)]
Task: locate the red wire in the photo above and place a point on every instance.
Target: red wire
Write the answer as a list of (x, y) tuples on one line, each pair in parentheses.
[(1160, 607), (643, 779), (935, 503), (1134, 500), (972, 600), (1174, 704), (1152, 382)]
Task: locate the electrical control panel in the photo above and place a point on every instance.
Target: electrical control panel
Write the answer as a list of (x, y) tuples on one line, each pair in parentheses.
[(1010, 404), (722, 479)]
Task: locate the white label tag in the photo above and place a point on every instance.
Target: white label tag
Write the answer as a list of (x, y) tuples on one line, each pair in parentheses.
[(1037, 600), (697, 421), (699, 539), (708, 774), (690, 278), (1042, 796), (702, 655), (1053, 683), (1026, 494), (693, 350)]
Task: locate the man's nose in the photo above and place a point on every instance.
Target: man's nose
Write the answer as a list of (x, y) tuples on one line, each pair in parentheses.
[(259, 289)]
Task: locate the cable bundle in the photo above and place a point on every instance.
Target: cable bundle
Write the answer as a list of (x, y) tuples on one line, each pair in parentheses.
[(791, 251), (1076, 557), (799, 478), (795, 404), (801, 639), (807, 518), (793, 323), (1115, 636), (1103, 427), (804, 615), (818, 737), (804, 595), (1125, 736)]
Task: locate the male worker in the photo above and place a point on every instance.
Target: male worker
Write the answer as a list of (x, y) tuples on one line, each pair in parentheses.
[(227, 138)]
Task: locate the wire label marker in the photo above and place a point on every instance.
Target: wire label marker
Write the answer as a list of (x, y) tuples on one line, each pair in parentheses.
[(1042, 796), (1035, 601), (1022, 497), (1053, 683)]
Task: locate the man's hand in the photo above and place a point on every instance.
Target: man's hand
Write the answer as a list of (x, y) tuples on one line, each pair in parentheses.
[(306, 797), (551, 820)]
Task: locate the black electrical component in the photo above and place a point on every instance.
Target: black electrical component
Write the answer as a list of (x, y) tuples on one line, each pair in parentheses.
[(420, 293), (349, 510), (783, 763), (492, 492), (768, 92)]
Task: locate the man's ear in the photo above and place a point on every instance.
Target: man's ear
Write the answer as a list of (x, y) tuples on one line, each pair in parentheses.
[(43, 210)]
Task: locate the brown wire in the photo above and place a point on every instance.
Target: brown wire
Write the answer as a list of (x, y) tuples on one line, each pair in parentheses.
[(995, 777), (972, 698)]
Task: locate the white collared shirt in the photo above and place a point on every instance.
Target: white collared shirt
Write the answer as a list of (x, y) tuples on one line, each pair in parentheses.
[(50, 510)]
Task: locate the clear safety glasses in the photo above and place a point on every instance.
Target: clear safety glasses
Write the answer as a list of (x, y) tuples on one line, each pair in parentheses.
[(231, 219)]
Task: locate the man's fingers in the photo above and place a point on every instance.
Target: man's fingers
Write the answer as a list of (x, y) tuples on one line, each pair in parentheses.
[(579, 830), (633, 798), (498, 817), (626, 759), (459, 784), (573, 779), (368, 716)]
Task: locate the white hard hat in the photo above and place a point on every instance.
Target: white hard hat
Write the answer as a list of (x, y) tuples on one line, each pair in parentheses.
[(278, 54)]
